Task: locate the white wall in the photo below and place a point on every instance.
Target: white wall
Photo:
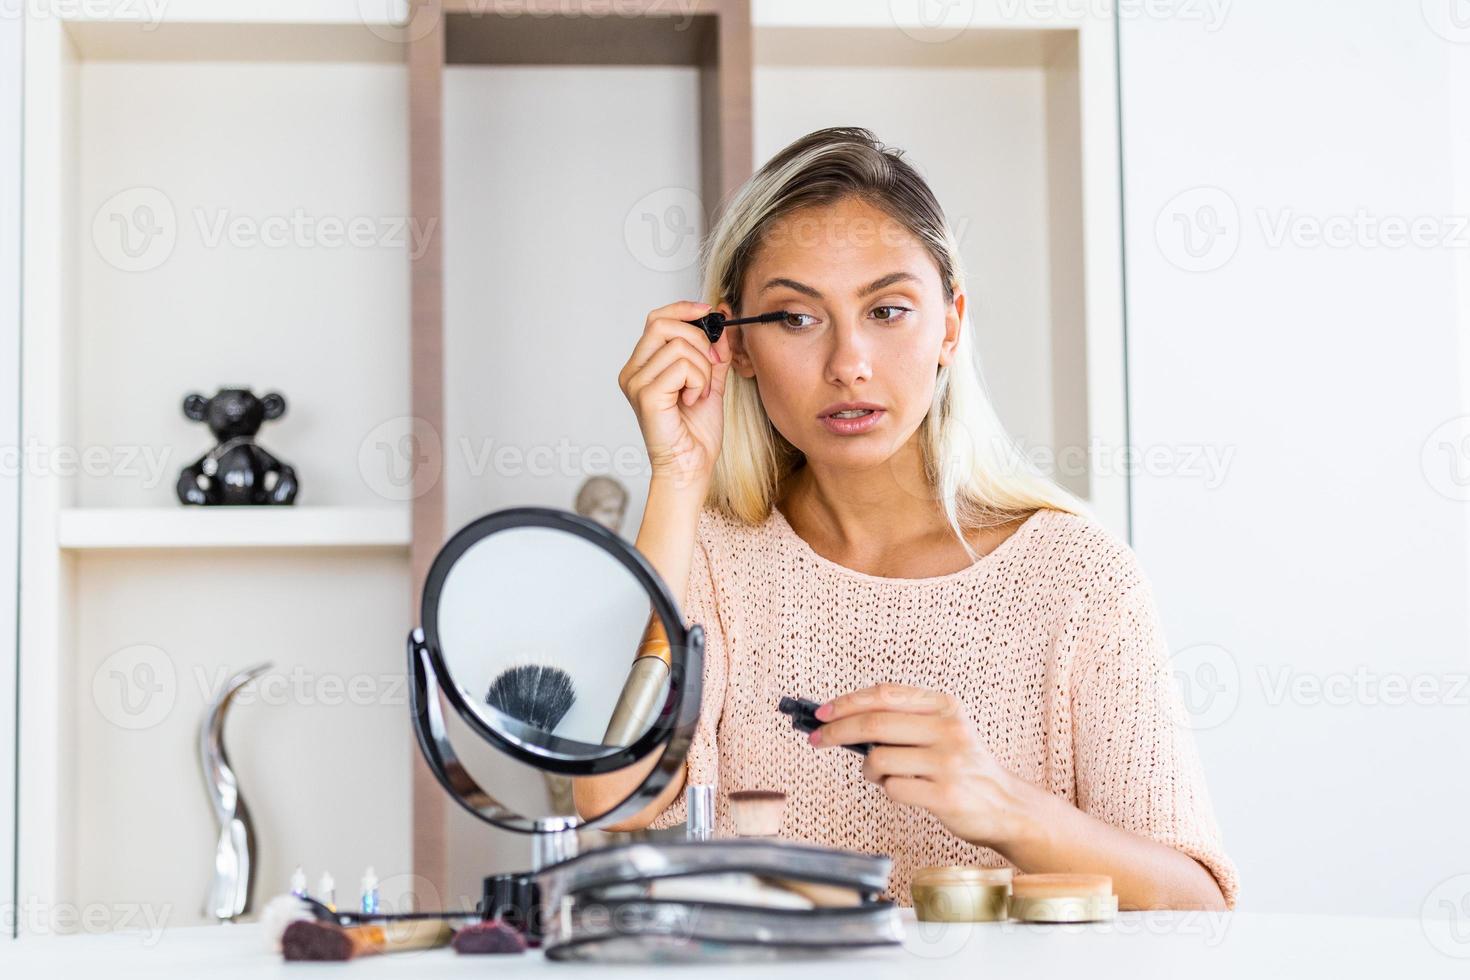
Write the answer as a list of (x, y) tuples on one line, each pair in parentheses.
[(10, 184), (1333, 550)]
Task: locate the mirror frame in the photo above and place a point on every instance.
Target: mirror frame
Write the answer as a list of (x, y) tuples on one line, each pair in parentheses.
[(673, 727)]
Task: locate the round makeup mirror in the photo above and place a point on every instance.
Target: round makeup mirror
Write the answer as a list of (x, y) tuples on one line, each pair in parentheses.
[(551, 639)]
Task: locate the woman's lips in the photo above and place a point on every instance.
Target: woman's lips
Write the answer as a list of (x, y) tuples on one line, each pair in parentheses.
[(852, 427)]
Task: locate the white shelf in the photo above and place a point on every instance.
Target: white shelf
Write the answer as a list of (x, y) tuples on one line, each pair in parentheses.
[(240, 12), (937, 23), (240, 30), (154, 528)]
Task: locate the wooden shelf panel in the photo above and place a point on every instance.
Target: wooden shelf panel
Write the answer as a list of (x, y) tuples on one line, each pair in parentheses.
[(156, 528)]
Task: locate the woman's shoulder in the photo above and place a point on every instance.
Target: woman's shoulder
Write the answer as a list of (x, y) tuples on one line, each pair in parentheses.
[(1078, 551)]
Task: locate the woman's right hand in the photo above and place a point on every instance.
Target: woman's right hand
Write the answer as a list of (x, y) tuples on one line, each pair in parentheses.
[(675, 380)]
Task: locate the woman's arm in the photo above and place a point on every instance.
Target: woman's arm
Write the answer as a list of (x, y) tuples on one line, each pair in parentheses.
[(1053, 835), (930, 756), (667, 539)]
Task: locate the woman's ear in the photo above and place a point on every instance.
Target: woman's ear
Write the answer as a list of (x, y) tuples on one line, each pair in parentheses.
[(954, 318), (739, 356)]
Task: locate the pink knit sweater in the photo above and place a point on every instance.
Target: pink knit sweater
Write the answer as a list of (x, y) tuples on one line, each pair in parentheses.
[(1052, 641)]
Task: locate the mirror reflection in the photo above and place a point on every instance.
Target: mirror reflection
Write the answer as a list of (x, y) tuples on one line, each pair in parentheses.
[(539, 628)]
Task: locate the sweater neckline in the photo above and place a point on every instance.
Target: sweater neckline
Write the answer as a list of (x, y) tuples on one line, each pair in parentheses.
[(785, 530)]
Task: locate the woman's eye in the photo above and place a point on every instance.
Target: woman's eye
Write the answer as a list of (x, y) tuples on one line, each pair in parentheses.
[(793, 321), (895, 314)]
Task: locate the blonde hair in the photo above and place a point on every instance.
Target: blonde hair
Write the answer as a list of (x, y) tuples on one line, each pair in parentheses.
[(977, 474)]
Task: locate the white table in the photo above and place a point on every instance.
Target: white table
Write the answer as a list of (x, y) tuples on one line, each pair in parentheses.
[(1176, 945)]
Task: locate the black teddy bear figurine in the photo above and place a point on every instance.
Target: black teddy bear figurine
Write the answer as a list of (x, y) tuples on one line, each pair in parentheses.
[(237, 471)]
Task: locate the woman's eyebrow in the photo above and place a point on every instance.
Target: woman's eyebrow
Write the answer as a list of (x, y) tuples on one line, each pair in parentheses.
[(871, 287)]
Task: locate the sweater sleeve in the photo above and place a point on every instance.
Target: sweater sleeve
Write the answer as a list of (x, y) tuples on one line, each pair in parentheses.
[(1137, 766), (700, 607)]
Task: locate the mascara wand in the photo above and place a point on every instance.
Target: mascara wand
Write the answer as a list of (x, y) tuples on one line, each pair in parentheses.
[(714, 324)]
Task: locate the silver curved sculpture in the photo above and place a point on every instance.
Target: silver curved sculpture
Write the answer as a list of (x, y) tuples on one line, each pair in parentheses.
[(234, 869)]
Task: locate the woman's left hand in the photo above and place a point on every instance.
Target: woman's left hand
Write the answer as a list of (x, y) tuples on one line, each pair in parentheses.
[(926, 753)]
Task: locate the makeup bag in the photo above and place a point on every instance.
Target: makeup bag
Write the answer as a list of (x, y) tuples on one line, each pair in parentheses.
[(690, 900)]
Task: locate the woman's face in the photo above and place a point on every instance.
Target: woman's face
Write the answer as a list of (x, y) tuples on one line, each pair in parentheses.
[(871, 325)]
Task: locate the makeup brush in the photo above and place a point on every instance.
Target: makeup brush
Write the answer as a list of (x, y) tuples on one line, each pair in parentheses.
[(757, 812), (714, 324), (535, 694), (313, 940)]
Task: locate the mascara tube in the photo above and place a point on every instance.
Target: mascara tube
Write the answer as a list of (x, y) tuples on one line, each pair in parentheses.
[(804, 719)]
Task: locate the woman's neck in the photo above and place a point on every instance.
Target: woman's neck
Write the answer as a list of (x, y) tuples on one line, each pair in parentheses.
[(873, 509)]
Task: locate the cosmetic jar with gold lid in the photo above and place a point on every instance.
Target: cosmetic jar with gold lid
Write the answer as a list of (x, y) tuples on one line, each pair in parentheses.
[(1063, 898), (961, 893)]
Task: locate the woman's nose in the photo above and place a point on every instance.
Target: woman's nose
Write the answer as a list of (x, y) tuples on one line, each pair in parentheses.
[(850, 359)]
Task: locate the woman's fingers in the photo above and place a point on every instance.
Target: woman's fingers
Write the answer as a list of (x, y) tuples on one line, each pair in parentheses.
[(887, 727), (654, 371), (663, 325), (883, 761), (889, 697), (913, 791)]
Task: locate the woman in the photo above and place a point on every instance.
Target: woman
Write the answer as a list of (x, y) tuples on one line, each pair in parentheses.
[(833, 499)]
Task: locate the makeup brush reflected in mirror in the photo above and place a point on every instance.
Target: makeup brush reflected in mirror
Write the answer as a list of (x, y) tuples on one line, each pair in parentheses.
[(536, 694)]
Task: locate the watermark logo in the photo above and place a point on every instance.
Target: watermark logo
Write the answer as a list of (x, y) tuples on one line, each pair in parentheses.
[(1199, 229), (1445, 917), (662, 229), (1450, 19), (400, 21), (135, 687), (135, 230), (933, 21), (1208, 679), (1445, 459), (142, 922), (147, 14), (401, 459)]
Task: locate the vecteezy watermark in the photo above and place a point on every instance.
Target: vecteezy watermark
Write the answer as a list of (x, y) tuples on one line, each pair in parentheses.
[(1208, 680), (404, 457), (147, 13), (1363, 686), (415, 21), (136, 687), (1445, 917), (942, 940), (308, 688), (137, 230), (300, 229), (1204, 463), (1362, 229), (1210, 14), (1450, 19), (1445, 459), (401, 459), (662, 229), (1199, 229), (933, 21), (33, 917), (149, 465)]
